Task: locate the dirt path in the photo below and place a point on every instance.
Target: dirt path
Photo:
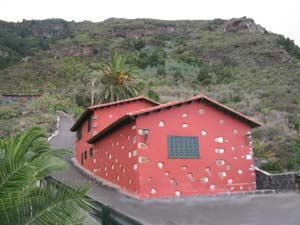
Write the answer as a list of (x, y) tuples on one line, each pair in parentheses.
[(270, 209)]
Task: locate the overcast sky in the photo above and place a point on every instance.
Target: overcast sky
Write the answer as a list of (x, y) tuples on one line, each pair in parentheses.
[(275, 15)]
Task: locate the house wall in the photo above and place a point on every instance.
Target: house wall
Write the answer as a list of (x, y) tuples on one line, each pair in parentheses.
[(103, 117), (161, 177), (82, 145), (115, 158)]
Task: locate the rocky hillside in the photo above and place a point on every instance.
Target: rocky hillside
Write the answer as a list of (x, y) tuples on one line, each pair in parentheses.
[(236, 61)]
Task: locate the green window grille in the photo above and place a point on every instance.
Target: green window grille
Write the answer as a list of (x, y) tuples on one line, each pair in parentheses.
[(183, 147)]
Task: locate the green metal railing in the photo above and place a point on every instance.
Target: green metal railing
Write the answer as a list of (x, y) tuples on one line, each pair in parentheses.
[(102, 213)]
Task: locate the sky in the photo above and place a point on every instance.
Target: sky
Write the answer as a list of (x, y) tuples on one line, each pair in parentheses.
[(277, 16)]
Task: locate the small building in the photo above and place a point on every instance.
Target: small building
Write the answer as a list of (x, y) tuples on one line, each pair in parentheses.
[(196, 146)]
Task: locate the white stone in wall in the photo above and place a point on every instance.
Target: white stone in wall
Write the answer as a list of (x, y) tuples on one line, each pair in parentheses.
[(153, 191), (160, 165), (219, 150), (134, 153), (177, 193), (185, 125), (203, 132), (201, 111), (212, 187), (204, 179), (219, 140), (249, 157), (135, 167)]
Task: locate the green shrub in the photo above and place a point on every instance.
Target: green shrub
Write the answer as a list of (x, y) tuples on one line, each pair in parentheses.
[(51, 104), (272, 166), (290, 46), (293, 163), (161, 71), (8, 112), (153, 95), (77, 111)]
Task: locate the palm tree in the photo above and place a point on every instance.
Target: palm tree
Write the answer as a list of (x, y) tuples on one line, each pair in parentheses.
[(25, 161), (118, 80)]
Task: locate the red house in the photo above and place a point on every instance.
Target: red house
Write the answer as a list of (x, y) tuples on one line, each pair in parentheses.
[(150, 150)]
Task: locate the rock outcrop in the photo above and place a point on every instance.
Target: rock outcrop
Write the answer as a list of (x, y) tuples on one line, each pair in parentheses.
[(236, 25)]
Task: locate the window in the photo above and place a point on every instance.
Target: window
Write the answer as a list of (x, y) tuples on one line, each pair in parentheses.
[(89, 123), (85, 154), (91, 152), (79, 134), (183, 147)]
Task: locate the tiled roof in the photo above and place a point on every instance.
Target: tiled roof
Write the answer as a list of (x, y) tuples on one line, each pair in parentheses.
[(90, 109), (201, 97)]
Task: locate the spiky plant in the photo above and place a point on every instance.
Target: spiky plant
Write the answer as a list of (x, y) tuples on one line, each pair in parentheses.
[(117, 80), (25, 161)]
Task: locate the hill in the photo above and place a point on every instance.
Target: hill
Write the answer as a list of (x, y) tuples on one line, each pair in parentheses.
[(235, 61)]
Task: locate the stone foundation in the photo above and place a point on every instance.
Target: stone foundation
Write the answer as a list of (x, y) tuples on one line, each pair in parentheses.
[(278, 182)]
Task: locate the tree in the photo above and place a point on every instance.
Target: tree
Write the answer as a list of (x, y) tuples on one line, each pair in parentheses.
[(25, 198), (117, 79)]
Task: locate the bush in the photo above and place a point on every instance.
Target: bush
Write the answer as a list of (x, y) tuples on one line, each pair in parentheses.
[(272, 166), (293, 163), (161, 71), (214, 74), (153, 95), (52, 104), (290, 46), (150, 56), (8, 112)]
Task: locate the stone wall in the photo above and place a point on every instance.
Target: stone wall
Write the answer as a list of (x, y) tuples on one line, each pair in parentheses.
[(279, 182)]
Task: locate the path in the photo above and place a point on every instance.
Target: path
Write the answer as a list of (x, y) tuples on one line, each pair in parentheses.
[(269, 209)]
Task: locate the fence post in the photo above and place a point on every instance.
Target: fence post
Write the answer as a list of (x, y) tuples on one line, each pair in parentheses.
[(105, 216)]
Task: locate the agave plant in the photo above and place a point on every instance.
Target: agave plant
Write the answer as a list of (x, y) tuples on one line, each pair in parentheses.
[(118, 80), (25, 162)]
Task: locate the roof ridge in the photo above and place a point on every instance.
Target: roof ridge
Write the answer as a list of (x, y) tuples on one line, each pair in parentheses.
[(123, 101), (133, 114)]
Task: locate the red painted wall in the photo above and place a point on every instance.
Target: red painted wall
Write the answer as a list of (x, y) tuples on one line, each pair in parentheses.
[(160, 176), (102, 117), (116, 158)]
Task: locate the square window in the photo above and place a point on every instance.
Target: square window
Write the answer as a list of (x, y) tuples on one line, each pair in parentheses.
[(183, 147)]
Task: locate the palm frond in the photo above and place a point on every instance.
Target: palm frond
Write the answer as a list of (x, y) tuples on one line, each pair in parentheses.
[(24, 161), (118, 79)]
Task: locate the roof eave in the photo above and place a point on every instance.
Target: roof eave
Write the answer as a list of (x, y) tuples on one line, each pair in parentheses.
[(81, 119), (117, 123)]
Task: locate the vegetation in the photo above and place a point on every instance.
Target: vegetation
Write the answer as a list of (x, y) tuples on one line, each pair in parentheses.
[(17, 116), (245, 67), (117, 80), (25, 198), (272, 166), (290, 46)]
